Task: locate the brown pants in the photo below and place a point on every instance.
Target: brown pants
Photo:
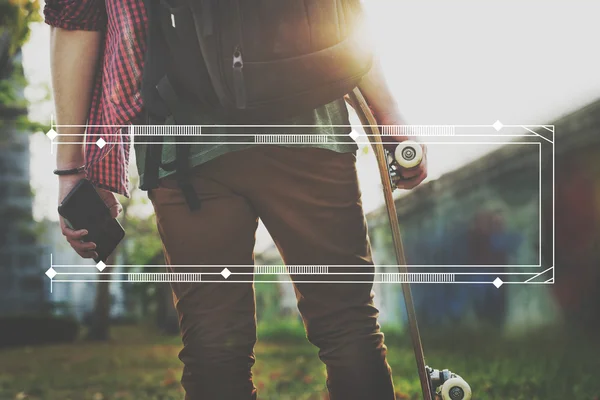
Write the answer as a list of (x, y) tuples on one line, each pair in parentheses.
[(309, 200)]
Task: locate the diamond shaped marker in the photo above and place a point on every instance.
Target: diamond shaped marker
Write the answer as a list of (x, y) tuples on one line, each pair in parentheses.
[(51, 273), (497, 125), (100, 266), (498, 282), (101, 143), (51, 134), (226, 273), (354, 135)]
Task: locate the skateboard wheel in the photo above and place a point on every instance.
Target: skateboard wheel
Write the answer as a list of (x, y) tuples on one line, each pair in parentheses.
[(456, 389), (408, 154)]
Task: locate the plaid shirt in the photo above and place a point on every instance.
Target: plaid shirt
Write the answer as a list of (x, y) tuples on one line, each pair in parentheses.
[(117, 97)]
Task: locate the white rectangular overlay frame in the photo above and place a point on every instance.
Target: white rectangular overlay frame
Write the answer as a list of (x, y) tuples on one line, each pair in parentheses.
[(528, 274)]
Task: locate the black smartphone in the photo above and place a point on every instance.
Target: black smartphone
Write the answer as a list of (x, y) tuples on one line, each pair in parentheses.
[(83, 208)]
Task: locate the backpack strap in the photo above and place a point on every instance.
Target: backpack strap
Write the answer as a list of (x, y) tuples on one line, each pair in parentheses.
[(182, 151), (153, 153), (182, 174)]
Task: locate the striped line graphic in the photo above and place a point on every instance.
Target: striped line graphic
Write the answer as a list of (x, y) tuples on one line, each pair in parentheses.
[(306, 139), (293, 269), (163, 277), (418, 130), (270, 269), (166, 130), (416, 277), (308, 269)]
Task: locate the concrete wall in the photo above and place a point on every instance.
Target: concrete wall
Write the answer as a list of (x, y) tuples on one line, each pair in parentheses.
[(488, 213)]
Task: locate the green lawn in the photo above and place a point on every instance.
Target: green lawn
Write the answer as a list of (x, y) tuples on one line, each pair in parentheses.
[(138, 365)]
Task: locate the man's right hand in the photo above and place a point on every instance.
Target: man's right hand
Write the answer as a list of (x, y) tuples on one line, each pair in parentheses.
[(75, 237)]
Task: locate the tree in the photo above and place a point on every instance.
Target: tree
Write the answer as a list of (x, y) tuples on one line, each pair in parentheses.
[(99, 329), (15, 17), (143, 253), (17, 236)]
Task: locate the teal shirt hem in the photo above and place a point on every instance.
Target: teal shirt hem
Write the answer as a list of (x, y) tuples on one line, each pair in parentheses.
[(325, 120)]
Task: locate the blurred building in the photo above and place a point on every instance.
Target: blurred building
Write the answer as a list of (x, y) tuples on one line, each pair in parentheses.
[(23, 288), (70, 298), (488, 213)]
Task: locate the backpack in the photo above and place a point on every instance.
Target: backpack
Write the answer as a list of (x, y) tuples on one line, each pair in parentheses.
[(247, 61)]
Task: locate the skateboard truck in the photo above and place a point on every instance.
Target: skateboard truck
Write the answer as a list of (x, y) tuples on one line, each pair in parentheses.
[(408, 154), (447, 385)]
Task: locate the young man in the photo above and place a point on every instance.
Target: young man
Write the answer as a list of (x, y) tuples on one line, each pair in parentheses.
[(307, 196)]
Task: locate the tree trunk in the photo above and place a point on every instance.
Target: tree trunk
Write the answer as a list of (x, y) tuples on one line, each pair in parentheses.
[(166, 316), (100, 325)]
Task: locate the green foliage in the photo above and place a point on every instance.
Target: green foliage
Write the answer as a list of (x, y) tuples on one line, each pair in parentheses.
[(9, 88), (142, 249), (139, 365), (143, 241), (283, 330), (24, 124), (267, 298), (15, 17)]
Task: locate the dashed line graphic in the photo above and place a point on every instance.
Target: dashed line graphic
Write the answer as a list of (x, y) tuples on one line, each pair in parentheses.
[(164, 277), (417, 277), (289, 139), (418, 130)]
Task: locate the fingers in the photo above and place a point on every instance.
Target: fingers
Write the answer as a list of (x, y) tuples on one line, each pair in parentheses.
[(82, 246), (350, 101), (409, 173), (71, 234), (75, 239), (412, 182), (84, 249), (111, 202), (115, 210), (411, 178)]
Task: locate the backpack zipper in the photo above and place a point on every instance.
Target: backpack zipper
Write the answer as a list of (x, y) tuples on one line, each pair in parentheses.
[(239, 86), (238, 78)]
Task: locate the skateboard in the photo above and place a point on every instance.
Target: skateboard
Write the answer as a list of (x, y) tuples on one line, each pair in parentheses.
[(435, 384)]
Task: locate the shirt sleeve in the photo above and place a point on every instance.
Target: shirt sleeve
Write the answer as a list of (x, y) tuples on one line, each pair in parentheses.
[(87, 15), (107, 164)]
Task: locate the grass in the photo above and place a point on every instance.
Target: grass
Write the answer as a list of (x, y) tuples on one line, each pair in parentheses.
[(139, 365)]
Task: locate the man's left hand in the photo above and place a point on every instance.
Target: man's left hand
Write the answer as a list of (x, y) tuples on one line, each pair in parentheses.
[(410, 177)]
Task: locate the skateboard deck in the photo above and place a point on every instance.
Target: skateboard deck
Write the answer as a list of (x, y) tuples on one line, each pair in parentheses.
[(441, 384), (371, 128)]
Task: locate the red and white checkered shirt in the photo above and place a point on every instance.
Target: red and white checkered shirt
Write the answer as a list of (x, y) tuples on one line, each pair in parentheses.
[(117, 91)]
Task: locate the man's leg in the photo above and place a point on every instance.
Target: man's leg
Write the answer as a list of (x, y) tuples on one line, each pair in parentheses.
[(217, 320), (311, 206)]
